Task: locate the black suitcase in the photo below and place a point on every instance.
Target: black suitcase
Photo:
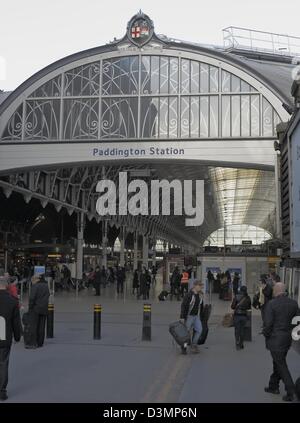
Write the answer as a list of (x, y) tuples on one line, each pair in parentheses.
[(180, 333), (203, 335), (163, 296)]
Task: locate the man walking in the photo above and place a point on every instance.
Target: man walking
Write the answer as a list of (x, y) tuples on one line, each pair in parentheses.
[(38, 309), (277, 330), (191, 308), (10, 326)]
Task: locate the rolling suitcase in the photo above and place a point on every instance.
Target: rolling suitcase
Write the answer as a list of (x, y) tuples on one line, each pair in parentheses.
[(203, 335), (204, 320), (180, 333)]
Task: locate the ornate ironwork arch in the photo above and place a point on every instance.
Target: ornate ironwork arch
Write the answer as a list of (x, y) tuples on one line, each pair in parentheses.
[(143, 95)]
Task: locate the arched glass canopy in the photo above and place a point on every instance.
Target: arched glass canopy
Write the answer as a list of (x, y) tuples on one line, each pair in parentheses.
[(236, 234), (143, 96)]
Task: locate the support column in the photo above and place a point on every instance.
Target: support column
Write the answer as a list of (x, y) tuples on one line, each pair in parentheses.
[(145, 250), (122, 246), (154, 252), (80, 241), (104, 243), (165, 248), (135, 250), (278, 197)]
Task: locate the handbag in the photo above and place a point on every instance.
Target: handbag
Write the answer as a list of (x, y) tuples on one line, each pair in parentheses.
[(228, 318)]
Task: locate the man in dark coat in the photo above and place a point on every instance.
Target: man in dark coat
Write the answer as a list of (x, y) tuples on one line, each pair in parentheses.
[(10, 327), (120, 279), (38, 310), (240, 304), (277, 330), (97, 281)]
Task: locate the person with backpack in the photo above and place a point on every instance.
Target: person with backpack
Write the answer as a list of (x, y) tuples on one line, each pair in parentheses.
[(240, 304), (191, 309)]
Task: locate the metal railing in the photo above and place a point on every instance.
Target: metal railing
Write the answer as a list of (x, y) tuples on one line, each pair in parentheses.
[(268, 42)]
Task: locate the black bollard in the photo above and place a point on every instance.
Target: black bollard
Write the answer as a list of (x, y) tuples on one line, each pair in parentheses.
[(248, 327), (97, 321), (50, 321), (147, 323)]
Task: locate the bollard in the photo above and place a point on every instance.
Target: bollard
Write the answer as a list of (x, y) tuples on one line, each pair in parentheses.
[(147, 323), (248, 327), (97, 321), (50, 321)]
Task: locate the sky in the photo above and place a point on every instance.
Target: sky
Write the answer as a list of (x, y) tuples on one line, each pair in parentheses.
[(35, 33)]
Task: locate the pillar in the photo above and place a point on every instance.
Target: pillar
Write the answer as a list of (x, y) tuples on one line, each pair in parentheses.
[(135, 250), (80, 241), (104, 243), (165, 248), (122, 246), (154, 252), (145, 250), (278, 197)]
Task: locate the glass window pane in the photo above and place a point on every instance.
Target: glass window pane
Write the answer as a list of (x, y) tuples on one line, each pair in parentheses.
[(154, 75), (204, 117), (164, 75), (245, 87), (81, 118), (267, 118), (214, 79), (195, 77), (194, 122), (226, 116), (255, 116), (163, 117), (185, 76), (214, 116), (13, 130), (119, 118), (204, 78), (236, 115), (145, 75), (173, 75), (51, 88), (245, 103), (173, 117), (42, 119), (235, 84), (149, 117), (185, 118), (226, 85)]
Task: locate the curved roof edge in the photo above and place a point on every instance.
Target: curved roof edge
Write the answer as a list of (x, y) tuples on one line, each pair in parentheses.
[(230, 58)]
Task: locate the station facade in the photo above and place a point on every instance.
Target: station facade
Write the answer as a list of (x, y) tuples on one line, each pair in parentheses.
[(156, 108)]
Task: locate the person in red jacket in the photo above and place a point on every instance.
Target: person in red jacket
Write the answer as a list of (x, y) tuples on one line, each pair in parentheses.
[(13, 290)]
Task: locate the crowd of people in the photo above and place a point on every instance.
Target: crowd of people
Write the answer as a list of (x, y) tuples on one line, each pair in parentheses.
[(277, 311)]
